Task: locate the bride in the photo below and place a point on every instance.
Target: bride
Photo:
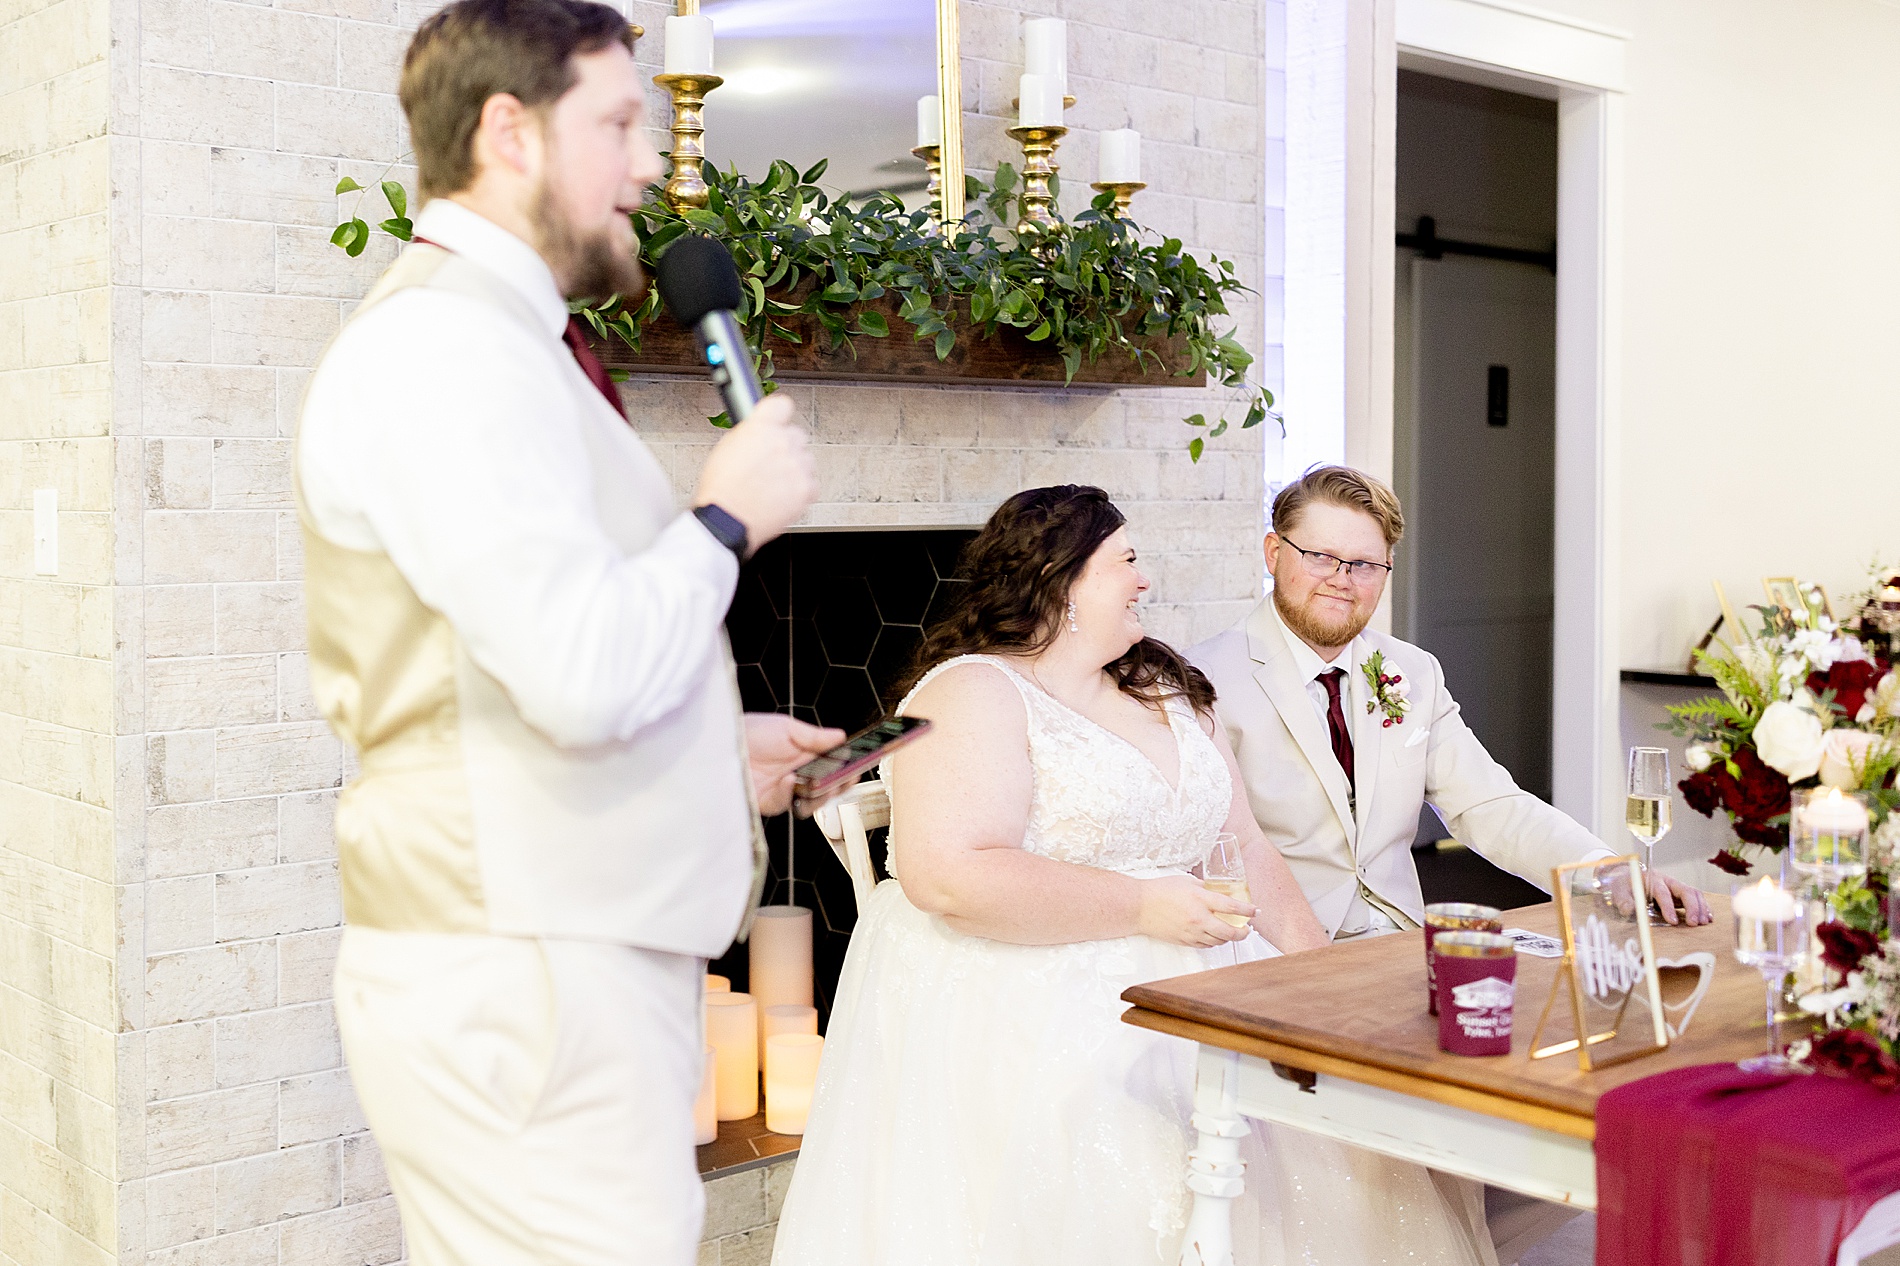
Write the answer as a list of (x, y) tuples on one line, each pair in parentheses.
[(980, 1102)]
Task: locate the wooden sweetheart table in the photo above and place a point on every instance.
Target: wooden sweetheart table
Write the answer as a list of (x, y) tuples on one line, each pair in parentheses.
[(1338, 1042)]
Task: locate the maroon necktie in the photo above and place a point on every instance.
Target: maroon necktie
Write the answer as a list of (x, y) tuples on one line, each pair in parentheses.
[(575, 336), (1336, 722)]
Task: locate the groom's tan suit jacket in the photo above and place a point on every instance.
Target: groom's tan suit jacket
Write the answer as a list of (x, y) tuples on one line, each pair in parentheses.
[(1337, 843)]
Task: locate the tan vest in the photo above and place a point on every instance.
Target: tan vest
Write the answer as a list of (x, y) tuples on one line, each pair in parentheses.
[(465, 818)]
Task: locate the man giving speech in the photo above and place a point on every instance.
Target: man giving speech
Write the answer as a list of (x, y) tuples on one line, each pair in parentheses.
[(519, 633)]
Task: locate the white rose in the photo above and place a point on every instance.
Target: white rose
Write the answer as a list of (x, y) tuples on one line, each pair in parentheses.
[(1699, 756), (1883, 702), (1844, 756), (1789, 740)]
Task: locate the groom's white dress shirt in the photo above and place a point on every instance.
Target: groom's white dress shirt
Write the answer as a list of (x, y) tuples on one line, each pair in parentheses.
[(1349, 847)]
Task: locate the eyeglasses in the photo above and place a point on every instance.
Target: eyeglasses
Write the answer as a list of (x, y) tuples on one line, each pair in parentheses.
[(1319, 566)]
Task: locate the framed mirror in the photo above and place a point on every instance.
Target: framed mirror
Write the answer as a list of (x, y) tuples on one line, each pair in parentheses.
[(837, 80)]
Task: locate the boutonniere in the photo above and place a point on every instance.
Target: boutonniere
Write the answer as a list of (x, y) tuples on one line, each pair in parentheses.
[(1388, 691)]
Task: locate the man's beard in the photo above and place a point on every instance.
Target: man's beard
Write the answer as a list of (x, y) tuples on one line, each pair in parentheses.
[(591, 267), (1320, 633)]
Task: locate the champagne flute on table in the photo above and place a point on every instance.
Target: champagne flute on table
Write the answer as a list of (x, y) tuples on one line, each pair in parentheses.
[(1647, 809), (1224, 872)]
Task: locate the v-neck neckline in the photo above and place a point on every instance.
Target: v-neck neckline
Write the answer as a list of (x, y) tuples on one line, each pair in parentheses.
[(1180, 752)]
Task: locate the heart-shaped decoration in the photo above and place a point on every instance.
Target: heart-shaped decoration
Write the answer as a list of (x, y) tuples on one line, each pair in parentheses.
[(1684, 981)]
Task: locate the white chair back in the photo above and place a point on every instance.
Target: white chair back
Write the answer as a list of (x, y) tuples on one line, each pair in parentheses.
[(846, 822)]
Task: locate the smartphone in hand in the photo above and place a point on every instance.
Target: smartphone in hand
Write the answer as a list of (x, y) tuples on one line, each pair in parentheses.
[(825, 776)]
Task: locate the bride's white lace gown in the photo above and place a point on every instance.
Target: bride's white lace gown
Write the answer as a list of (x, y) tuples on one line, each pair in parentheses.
[(981, 1103)]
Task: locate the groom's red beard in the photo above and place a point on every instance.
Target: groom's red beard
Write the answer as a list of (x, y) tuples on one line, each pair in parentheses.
[(593, 267), (1317, 632)]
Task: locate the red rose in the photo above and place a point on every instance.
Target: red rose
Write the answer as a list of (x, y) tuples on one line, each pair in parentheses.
[(1760, 793), (1852, 1053), (1730, 861), (1702, 792), (1843, 947), (1850, 682)]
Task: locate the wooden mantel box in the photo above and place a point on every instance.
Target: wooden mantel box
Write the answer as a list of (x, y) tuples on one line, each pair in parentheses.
[(1005, 358)]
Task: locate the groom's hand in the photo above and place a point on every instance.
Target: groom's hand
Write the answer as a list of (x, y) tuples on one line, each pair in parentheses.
[(1180, 909), (1671, 892), (776, 745)]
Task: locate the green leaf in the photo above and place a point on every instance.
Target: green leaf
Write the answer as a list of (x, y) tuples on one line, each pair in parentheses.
[(722, 420), (873, 323), (398, 198), (346, 185), (1195, 419), (399, 228), (1040, 333), (1220, 429), (1195, 446), (813, 172), (946, 339), (352, 235)]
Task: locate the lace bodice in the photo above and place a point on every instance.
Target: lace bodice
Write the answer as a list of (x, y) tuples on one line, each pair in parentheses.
[(1096, 800)]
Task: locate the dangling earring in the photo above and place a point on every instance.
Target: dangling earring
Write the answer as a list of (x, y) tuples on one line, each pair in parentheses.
[(1072, 627)]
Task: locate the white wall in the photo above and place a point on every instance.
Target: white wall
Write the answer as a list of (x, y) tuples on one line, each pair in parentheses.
[(1760, 318)]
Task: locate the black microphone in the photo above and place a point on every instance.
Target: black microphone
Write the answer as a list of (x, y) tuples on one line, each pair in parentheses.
[(701, 289)]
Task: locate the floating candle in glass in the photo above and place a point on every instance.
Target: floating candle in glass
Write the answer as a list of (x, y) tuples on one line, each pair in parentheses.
[(792, 1072), (732, 1028), (1827, 837)]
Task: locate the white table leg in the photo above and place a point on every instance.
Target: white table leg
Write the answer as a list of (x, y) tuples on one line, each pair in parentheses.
[(1214, 1166)]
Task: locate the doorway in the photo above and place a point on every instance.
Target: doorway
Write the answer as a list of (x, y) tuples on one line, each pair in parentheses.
[(1475, 388)]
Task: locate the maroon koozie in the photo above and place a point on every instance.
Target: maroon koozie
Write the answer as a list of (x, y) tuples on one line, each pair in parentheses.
[(1453, 916), (1475, 999)]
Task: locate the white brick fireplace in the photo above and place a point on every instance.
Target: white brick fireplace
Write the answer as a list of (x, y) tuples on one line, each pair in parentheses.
[(171, 1089)]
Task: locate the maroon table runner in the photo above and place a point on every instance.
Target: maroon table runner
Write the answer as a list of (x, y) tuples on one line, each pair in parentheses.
[(1712, 1166)]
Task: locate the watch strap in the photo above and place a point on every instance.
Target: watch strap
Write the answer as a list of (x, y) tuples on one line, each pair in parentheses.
[(725, 529)]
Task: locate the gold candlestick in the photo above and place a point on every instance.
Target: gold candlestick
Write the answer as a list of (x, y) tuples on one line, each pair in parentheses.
[(1123, 191), (1038, 203), (686, 187), (933, 163)]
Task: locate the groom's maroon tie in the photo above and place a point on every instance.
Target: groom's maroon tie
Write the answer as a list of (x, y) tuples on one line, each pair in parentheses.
[(1336, 722)]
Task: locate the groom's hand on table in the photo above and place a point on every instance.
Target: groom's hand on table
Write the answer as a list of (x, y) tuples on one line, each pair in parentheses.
[(776, 745), (1679, 903), (1179, 909)]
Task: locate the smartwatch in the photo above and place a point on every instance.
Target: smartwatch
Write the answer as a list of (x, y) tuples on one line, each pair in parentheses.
[(725, 529)]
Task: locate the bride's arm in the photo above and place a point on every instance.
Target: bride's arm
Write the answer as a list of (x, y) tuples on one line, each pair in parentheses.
[(1286, 918), (960, 805)]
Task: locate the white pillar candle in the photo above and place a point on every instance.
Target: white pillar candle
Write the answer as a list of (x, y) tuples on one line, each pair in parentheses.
[(706, 1107), (788, 1086), (717, 984), (781, 956), (1039, 101), (930, 120), (785, 1018), (732, 1029), (1046, 50), (1121, 157), (689, 45)]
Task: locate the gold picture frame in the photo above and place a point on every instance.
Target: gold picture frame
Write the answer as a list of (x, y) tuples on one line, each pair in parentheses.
[(1783, 592), (1601, 975)]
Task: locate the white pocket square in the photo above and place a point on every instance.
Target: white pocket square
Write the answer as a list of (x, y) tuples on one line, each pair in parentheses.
[(1419, 737)]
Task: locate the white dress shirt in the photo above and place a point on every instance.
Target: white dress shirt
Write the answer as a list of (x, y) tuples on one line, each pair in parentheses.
[(415, 455)]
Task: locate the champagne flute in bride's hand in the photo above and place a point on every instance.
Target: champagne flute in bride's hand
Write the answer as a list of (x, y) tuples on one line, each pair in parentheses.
[(1225, 873), (1647, 812)]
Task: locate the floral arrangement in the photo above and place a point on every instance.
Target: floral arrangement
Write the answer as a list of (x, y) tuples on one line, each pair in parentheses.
[(1390, 694), (1804, 704), (1807, 704)]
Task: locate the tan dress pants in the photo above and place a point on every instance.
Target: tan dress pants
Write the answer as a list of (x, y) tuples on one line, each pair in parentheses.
[(533, 1098)]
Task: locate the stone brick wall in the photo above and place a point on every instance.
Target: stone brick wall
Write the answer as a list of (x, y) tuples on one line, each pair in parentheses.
[(169, 1070), (57, 701)]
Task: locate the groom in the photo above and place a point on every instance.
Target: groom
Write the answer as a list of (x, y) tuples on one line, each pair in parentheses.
[(1342, 734)]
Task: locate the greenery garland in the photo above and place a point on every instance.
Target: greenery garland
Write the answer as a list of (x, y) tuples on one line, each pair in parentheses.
[(1091, 288)]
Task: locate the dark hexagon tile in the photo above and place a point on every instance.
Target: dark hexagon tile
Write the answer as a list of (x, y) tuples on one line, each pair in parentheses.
[(847, 621), (755, 691), (847, 700), (903, 591), (751, 620), (891, 659), (947, 592)]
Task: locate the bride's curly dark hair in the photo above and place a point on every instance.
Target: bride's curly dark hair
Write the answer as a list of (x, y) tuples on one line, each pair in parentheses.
[(1019, 570)]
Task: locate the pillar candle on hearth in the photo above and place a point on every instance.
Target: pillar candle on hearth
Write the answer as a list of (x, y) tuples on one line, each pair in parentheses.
[(706, 1107), (784, 1018), (732, 1029), (788, 1086), (930, 120), (1121, 157), (717, 984), (689, 45), (780, 948)]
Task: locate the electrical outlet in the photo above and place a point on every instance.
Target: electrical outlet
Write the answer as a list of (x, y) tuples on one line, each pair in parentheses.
[(46, 531)]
